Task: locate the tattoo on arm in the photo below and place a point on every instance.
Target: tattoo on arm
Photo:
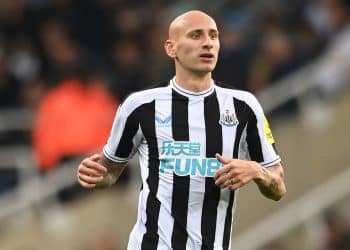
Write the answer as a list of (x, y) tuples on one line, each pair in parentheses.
[(272, 184), (114, 170)]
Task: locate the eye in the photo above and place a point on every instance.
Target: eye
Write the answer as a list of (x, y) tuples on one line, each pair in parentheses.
[(214, 35), (195, 35)]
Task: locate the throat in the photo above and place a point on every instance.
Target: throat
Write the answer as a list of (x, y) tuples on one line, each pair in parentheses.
[(194, 84)]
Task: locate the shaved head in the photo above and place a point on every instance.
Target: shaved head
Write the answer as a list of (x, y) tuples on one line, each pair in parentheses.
[(190, 18), (194, 44)]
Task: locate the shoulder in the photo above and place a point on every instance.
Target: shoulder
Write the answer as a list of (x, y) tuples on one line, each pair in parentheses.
[(240, 95), (141, 97)]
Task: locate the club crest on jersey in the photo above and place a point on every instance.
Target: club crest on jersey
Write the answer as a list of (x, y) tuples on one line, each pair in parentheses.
[(228, 118), (166, 121)]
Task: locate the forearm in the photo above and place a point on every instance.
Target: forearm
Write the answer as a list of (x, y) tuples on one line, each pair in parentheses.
[(271, 182), (114, 170)]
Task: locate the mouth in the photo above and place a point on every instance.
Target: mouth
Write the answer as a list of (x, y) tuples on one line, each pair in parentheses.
[(206, 56)]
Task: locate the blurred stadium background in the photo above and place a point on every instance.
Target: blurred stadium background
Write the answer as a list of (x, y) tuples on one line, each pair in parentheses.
[(66, 64)]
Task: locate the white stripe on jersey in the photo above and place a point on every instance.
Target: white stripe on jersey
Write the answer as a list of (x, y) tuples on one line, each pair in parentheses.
[(164, 133), (225, 103), (197, 184)]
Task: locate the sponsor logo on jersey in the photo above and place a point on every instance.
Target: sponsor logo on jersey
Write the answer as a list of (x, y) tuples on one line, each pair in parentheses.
[(183, 158), (268, 132), (166, 121), (228, 118)]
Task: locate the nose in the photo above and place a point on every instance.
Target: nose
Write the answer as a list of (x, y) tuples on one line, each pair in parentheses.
[(208, 42)]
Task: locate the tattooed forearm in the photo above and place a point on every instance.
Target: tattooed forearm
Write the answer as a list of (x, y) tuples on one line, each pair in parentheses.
[(270, 191), (114, 170), (271, 183)]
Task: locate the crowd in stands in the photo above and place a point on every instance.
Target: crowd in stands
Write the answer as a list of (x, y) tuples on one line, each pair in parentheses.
[(120, 42)]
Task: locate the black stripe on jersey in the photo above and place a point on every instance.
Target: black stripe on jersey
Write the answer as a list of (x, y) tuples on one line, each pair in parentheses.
[(131, 126), (213, 132), (228, 222), (253, 138), (181, 184), (242, 116), (242, 121), (147, 116)]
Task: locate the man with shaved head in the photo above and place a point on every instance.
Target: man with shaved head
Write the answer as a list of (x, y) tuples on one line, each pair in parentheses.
[(198, 143)]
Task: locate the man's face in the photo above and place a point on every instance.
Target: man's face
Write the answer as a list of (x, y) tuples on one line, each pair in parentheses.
[(195, 44)]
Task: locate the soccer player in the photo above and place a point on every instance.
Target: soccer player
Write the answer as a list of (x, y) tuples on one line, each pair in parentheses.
[(198, 143)]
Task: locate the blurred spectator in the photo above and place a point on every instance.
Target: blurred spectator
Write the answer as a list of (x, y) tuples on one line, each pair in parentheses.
[(13, 19), (317, 17), (9, 87), (333, 71), (61, 54), (158, 66), (337, 231), (127, 67), (276, 59), (23, 63), (73, 118), (232, 65), (130, 22)]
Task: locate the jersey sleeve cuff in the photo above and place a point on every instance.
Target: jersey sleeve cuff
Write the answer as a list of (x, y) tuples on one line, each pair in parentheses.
[(267, 164), (112, 157)]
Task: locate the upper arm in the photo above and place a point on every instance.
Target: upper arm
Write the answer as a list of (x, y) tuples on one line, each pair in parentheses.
[(261, 143), (124, 137)]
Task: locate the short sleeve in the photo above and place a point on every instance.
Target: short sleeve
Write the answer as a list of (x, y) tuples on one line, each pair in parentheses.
[(261, 143), (124, 137)]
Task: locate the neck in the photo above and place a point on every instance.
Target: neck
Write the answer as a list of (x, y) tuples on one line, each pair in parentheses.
[(194, 83)]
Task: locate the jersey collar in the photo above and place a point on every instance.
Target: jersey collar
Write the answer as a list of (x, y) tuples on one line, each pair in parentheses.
[(188, 93)]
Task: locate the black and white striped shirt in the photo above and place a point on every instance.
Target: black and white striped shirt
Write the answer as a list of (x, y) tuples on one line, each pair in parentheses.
[(177, 134)]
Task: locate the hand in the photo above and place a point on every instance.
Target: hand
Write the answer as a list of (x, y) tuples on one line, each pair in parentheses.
[(235, 173), (90, 172)]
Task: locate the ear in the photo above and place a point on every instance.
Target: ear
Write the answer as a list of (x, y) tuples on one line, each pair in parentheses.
[(170, 48)]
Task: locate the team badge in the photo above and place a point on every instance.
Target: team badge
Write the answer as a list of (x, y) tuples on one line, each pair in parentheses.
[(228, 118)]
